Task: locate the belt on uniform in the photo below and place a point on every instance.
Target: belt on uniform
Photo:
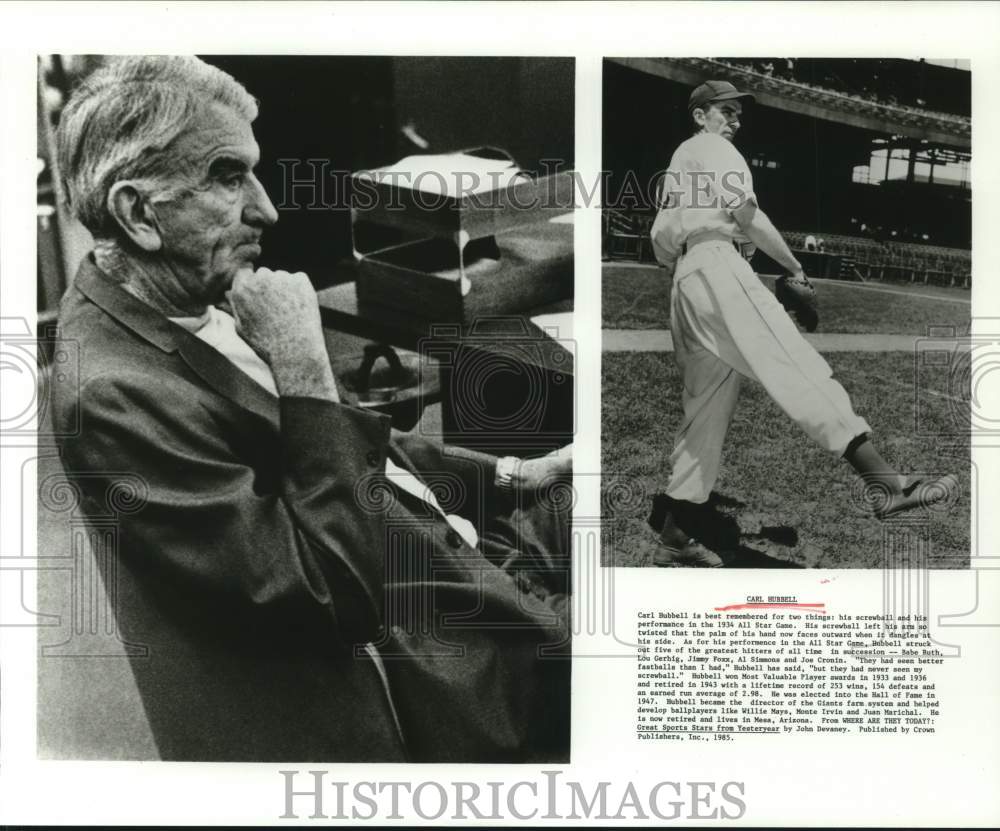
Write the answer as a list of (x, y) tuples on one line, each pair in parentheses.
[(745, 249)]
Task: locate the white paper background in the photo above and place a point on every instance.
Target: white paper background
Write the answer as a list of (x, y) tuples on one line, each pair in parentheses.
[(950, 778)]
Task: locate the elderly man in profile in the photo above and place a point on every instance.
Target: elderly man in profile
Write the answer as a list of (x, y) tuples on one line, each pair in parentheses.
[(301, 592)]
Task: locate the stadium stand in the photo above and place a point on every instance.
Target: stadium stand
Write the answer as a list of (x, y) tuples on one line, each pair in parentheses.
[(870, 155), (895, 261), (838, 100), (626, 237)]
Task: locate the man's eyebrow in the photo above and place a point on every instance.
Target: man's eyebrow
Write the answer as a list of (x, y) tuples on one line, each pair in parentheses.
[(227, 164)]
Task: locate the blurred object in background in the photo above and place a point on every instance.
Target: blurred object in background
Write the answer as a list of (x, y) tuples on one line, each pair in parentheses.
[(62, 241), (322, 117)]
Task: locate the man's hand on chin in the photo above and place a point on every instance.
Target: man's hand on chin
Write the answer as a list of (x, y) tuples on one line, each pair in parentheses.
[(277, 314)]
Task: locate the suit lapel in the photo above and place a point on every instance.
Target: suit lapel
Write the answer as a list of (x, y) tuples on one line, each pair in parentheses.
[(209, 364), (401, 459), (216, 370)]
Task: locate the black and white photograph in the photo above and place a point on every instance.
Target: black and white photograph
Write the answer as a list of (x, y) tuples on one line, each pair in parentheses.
[(493, 414), (786, 309), (308, 346)]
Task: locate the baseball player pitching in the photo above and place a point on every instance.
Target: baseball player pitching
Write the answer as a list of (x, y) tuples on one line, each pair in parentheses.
[(727, 326)]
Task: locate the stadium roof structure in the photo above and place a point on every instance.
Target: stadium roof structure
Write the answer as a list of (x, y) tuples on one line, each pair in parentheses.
[(939, 128)]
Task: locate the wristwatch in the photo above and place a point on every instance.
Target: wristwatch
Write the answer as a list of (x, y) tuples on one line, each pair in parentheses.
[(507, 467)]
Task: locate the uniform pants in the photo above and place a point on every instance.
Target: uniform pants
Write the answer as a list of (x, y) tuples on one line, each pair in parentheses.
[(726, 326)]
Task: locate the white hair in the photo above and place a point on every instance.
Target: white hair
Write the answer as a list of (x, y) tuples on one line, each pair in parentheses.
[(122, 121)]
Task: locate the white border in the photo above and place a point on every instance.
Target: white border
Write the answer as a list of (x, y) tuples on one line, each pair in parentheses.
[(947, 781)]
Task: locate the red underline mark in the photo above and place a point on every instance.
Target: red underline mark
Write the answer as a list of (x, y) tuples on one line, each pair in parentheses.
[(816, 607)]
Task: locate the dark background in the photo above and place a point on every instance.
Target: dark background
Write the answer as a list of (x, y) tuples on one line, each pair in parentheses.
[(350, 111)]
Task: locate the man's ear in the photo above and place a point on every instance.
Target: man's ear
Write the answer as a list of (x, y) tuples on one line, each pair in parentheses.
[(133, 215), (698, 114)]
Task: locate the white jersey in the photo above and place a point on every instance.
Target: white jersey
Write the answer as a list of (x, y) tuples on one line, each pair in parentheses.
[(708, 179)]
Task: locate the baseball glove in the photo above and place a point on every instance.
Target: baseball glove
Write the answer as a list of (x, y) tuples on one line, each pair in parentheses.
[(798, 297)]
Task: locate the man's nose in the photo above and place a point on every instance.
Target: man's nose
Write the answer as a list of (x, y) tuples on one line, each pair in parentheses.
[(259, 210)]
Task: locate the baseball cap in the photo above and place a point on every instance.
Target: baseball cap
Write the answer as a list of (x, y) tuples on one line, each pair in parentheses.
[(715, 91)]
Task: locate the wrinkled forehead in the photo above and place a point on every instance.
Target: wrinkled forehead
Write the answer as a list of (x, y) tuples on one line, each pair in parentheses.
[(219, 132)]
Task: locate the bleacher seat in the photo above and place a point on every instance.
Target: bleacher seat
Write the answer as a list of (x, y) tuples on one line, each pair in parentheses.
[(895, 261), (622, 236)]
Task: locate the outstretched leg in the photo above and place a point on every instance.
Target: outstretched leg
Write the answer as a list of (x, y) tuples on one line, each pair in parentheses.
[(893, 492)]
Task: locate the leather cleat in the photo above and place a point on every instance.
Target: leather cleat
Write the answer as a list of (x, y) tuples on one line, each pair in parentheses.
[(918, 493), (691, 555)]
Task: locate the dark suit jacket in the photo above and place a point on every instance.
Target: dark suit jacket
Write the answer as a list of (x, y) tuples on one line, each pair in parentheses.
[(268, 545)]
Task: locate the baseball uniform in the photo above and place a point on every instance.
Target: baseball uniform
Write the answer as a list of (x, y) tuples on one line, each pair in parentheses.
[(727, 325)]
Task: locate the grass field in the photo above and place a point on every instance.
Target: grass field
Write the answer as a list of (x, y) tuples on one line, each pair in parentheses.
[(781, 501), (639, 298)]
